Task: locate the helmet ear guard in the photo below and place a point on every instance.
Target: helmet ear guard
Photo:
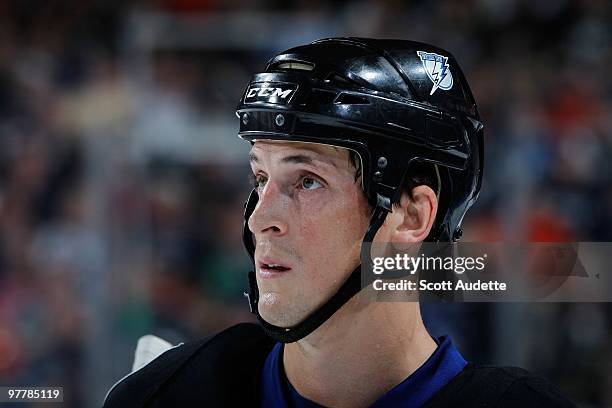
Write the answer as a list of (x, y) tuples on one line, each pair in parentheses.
[(374, 97)]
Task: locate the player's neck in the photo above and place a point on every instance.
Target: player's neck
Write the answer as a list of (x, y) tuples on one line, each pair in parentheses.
[(364, 350)]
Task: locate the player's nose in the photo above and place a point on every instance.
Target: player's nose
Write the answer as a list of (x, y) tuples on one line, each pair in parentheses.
[(271, 212)]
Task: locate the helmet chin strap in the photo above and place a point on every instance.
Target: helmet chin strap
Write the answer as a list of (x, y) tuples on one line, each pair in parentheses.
[(349, 288)]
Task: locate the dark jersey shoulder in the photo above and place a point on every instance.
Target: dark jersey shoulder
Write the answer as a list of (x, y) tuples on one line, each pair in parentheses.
[(489, 386), (225, 370), (222, 370)]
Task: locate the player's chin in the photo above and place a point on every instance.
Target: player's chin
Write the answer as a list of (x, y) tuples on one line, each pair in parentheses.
[(278, 309)]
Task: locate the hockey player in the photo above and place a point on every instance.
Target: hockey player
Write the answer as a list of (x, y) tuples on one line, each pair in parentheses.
[(353, 140)]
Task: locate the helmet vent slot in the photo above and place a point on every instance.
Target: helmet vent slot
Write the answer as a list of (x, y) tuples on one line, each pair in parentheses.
[(351, 99), (322, 97), (294, 66)]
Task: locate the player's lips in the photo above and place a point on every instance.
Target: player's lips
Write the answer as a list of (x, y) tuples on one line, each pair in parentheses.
[(271, 268)]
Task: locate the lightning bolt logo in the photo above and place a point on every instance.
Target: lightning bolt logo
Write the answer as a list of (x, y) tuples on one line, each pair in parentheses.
[(437, 69), (435, 75)]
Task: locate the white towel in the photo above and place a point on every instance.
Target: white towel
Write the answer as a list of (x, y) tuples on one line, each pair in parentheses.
[(149, 347)]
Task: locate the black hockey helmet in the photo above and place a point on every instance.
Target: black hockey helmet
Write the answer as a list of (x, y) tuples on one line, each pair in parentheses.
[(393, 102)]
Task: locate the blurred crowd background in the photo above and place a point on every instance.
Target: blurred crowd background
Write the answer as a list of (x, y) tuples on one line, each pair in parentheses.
[(122, 179)]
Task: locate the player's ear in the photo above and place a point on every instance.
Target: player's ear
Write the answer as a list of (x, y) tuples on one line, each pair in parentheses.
[(413, 217)]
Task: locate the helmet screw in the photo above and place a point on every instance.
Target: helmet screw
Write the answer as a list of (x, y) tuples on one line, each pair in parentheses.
[(245, 118), (378, 176), (382, 162), (279, 120)]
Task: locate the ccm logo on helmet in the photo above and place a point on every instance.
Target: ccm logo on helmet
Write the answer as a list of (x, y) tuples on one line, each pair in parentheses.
[(270, 92)]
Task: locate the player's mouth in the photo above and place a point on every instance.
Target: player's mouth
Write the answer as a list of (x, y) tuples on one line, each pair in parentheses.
[(269, 268)]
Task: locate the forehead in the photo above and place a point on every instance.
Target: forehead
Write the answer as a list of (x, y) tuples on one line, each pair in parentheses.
[(270, 149)]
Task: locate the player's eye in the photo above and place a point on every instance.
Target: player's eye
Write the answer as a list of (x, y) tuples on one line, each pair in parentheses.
[(259, 181), (309, 183)]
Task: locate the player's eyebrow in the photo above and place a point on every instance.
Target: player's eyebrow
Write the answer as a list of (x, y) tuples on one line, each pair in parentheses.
[(298, 159)]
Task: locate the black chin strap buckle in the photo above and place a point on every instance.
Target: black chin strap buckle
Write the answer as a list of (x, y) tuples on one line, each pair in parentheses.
[(383, 202), (383, 207)]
